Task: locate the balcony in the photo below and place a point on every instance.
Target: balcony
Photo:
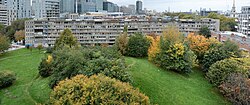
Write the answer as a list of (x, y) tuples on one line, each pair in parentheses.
[(245, 21)]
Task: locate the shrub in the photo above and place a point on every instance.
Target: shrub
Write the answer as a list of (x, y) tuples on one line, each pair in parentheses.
[(49, 50), (177, 58), (4, 43), (7, 78), (220, 70), (121, 43), (45, 67), (96, 90), (154, 48), (237, 89), (89, 61), (138, 46), (40, 47), (219, 52)]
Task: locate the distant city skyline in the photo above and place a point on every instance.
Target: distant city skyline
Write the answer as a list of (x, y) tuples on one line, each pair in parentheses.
[(186, 5)]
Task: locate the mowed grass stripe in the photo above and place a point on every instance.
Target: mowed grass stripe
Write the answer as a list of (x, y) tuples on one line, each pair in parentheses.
[(170, 88)]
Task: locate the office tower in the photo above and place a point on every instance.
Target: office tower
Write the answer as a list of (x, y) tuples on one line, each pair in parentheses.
[(116, 8), (46, 8), (108, 6), (18, 9), (68, 6), (84, 6), (138, 7), (132, 9), (99, 5)]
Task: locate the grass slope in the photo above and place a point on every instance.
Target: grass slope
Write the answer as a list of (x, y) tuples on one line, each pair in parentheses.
[(170, 88), (163, 87), (29, 89)]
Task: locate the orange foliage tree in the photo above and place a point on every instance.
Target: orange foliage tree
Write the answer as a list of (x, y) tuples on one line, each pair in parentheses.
[(200, 44)]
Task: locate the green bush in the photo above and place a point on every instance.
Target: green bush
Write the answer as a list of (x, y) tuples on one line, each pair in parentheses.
[(220, 70), (49, 50), (219, 52), (237, 89), (45, 67), (88, 61), (138, 46), (7, 78), (96, 90)]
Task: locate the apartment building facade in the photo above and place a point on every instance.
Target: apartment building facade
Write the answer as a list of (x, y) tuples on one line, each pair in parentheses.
[(244, 21), (191, 25), (3, 15), (91, 31)]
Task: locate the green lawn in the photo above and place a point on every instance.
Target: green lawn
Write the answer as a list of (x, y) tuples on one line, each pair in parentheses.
[(163, 87), (29, 88), (170, 88)]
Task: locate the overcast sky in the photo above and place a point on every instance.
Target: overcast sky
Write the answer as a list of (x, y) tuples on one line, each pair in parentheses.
[(186, 5)]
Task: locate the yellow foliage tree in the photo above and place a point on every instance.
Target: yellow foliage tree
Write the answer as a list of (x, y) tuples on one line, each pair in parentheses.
[(172, 35), (154, 48)]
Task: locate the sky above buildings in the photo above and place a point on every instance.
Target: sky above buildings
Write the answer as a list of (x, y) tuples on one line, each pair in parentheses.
[(186, 5)]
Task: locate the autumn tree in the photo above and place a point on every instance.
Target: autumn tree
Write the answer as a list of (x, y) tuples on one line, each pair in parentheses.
[(121, 41), (154, 47), (198, 44), (19, 35), (66, 39), (4, 43), (174, 53), (96, 90)]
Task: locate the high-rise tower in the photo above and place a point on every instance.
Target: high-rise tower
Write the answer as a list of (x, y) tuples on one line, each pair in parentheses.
[(138, 7)]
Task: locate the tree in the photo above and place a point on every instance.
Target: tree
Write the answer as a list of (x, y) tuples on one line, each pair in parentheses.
[(220, 52), (66, 39), (154, 48), (226, 23), (121, 43), (198, 44), (204, 30), (68, 62), (15, 26), (96, 90), (19, 35), (2, 28), (138, 46), (4, 43), (213, 15), (174, 53), (10, 31)]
